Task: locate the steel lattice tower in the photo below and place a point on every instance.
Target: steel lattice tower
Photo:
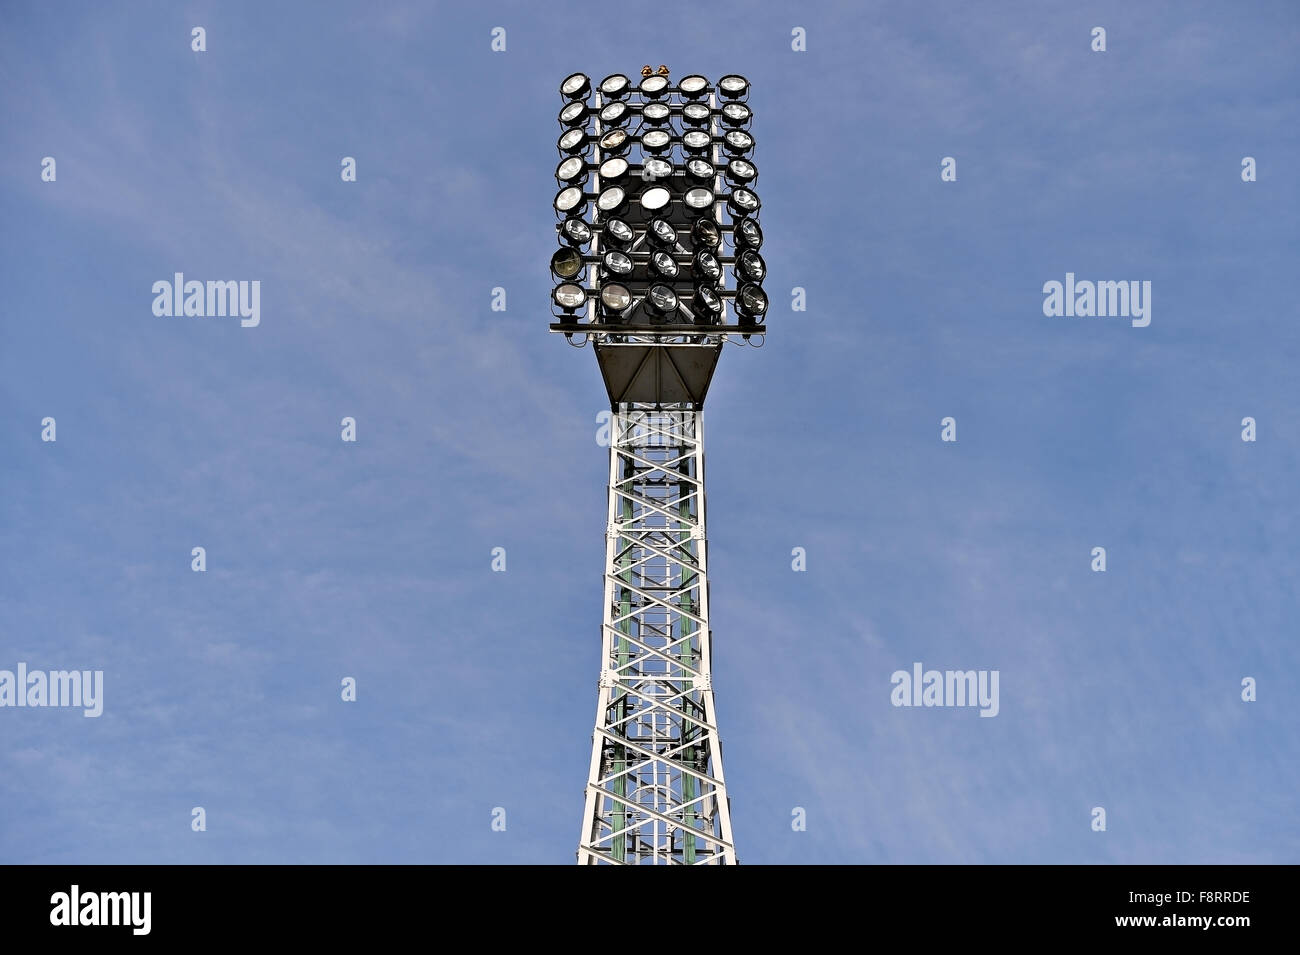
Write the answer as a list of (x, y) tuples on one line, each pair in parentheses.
[(656, 792)]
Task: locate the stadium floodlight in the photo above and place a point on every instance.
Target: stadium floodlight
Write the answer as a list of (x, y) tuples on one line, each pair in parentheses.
[(575, 114), (696, 114), (617, 263), (613, 170), (698, 199), (570, 200), (618, 234), (750, 267), (700, 170), (576, 86), (706, 268), (656, 168), (696, 140), (615, 86), (661, 300), (737, 142), (571, 170), (658, 268), (735, 114), (615, 141), (612, 201), (663, 265), (573, 141), (656, 114), (751, 302), (615, 299), (566, 263), (570, 297), (706, 304), (742, 202), (662, 234), (693, 86), (576, 232), (706, 234), (741, 172), (657, 140), (654, 86), (615, 114), (655, 198), (733, 86)]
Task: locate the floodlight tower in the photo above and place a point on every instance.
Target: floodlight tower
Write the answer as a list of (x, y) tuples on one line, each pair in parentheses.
[(666, 173)]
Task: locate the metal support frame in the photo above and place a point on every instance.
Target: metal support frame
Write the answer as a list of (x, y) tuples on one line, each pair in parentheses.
[(655, 793)]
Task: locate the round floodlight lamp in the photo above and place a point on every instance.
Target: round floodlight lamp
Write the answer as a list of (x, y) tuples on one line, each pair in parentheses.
[(615, 86), (575, 232), (705, 234), (617, 263), (737, 142), (693, 86), (656, 114), (750, 267), (573, 141), (662, 234), (615, 141), (566, 263), (576, 86), (696, 140), (655, 198), (733, 86), (656, 141), (661, 300), (571, 170), (741, 172), (663, 265), (748, 234), (613, 170), (706, 268), (654, 85), (612, 200), (618, 234), (615, 298), (570, 200), (736, 114), (707, 305), (570, 297), (615, 114), (656, 168), (696, 114), (742, 202), (700, 170), (751, 301), (698, 200), (574, 114)]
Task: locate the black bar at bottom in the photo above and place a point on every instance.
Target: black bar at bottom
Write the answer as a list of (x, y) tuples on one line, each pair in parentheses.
[(1227, 905)]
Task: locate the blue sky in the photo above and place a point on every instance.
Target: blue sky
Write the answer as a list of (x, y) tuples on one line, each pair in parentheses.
[(476, 429)]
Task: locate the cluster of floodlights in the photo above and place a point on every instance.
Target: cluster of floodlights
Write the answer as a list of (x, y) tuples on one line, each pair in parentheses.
[(656, 197)]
